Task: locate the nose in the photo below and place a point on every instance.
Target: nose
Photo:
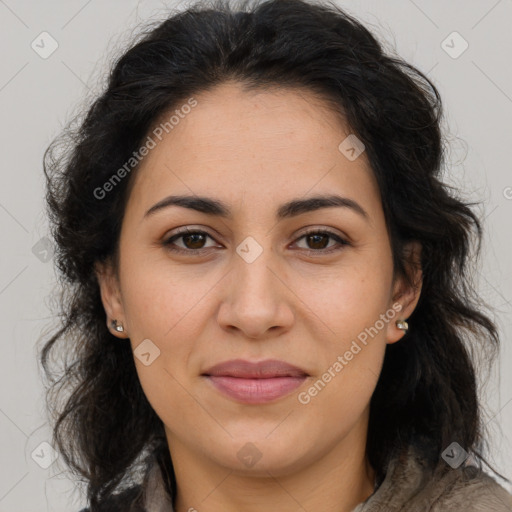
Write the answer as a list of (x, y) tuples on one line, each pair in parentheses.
[(257, 298)]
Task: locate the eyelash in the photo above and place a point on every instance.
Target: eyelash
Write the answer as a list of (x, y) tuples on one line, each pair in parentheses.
[(169, 243)]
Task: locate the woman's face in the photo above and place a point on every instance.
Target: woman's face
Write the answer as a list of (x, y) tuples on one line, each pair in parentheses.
[(252, 286)]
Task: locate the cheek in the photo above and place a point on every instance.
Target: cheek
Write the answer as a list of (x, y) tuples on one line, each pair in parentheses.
[(345, 301), (168, 306), (158, 295), (351, 322), (351, 365)]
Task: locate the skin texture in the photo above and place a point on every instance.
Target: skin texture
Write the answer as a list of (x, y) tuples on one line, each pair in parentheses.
[(255, 151)]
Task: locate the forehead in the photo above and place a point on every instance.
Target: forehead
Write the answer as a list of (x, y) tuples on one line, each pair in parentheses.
[(263, 145)]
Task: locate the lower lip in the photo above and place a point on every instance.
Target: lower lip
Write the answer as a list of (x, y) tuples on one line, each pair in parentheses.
[(255, 391)]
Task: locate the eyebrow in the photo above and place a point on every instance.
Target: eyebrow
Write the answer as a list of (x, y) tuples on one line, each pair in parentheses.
[(217, 208)]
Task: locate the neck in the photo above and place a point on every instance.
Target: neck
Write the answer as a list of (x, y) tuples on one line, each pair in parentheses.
[(335, 482)]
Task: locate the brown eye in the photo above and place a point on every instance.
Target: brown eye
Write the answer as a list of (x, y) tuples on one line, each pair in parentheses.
[(317, 241), (196, 240), (193, 241)]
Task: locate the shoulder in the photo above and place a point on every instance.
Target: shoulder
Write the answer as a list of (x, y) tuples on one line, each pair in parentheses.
[(125, 501), (471, 490), (410, 486)]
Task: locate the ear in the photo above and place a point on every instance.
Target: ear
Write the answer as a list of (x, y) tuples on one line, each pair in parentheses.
[(111, 297), (403, 293)]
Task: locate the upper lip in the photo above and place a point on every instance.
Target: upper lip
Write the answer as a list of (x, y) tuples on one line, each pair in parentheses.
[(255, 370)]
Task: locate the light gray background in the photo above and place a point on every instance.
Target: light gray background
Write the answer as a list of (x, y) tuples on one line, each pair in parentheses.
[(37, 97)]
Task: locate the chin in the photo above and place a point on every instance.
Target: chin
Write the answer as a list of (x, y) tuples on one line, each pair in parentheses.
[(260, 456)]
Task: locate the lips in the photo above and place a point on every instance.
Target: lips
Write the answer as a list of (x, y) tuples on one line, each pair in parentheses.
[(255, 383), (260, 370)]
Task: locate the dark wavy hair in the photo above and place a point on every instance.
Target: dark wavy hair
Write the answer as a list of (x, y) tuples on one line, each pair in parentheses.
[(427, 394)]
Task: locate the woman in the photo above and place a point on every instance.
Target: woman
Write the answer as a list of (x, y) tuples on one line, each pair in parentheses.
[(268, 294)]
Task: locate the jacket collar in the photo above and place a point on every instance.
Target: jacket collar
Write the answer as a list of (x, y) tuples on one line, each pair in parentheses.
[(155, 496)]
